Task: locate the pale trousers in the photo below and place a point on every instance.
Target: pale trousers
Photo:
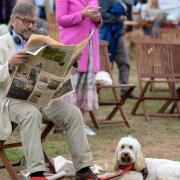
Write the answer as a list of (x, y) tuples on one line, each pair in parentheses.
[(29, 119)]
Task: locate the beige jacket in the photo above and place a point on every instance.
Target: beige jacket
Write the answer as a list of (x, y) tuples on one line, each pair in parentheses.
[(7, 49)]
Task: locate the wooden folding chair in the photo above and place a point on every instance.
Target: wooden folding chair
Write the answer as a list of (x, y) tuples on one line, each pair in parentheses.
[(157, 62), (167, 33), (117, 104), (6, 162)]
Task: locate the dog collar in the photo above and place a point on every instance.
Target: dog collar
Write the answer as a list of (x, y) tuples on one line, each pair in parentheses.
[(123, 167), (144, 172)]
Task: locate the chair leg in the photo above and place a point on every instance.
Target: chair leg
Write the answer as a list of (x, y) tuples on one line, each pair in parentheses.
[(119, 107), (8, 165), (50, 164), (141, 100), (124, 117), (94, 120), (165, 106)]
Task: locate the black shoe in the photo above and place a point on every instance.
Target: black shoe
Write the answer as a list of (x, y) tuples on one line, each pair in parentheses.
[(88, 175), (131, 96)]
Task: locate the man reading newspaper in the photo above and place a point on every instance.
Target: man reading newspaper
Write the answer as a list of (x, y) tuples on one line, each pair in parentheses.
[(22, 22), (46, 74)]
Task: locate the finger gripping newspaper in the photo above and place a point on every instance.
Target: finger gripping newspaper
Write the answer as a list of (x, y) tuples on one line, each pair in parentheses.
[(47, 73)]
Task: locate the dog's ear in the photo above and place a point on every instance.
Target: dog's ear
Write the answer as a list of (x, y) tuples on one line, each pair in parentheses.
[(116, 162), (140, 162)]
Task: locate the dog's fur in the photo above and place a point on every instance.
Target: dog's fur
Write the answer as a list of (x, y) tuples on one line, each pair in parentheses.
[(129, 151)]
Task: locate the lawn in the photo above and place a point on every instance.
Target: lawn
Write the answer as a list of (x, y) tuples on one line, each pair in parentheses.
[(159, 137)]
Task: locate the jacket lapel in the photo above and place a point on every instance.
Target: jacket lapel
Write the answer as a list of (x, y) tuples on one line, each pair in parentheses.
[(11, 45)]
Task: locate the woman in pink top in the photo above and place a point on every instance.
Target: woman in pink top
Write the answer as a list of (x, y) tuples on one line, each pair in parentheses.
[(76, 19)]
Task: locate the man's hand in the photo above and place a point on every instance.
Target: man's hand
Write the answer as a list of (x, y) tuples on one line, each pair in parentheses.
[(19, 58)]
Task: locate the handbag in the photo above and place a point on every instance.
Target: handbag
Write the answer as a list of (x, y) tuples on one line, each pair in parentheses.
[(103, 78)]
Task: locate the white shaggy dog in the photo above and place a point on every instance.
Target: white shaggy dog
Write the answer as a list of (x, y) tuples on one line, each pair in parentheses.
[(128, 152)]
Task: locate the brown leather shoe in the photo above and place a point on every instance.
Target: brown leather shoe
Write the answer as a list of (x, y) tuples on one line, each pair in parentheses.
[(88, 175)]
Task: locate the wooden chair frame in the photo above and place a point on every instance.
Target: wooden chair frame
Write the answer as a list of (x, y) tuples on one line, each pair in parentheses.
[(167, 33), (6, 162), (117, 106), (157, 61)]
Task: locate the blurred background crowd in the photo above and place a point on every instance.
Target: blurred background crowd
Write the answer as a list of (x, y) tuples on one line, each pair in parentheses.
[(136, 10)]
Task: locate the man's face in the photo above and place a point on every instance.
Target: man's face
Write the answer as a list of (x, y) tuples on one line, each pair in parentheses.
[(24, 25)]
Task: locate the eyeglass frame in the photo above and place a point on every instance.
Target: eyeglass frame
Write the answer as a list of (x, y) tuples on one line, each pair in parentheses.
[(27, 22)]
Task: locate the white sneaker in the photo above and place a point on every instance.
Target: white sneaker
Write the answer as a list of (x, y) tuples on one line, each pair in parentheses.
[(89, 131)]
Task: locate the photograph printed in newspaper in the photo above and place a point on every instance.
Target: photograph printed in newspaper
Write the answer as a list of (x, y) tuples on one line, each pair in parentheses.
[(47, 74)]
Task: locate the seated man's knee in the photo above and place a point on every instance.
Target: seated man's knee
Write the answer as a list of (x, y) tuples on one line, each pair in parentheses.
[(33, 114), (59, 111), (72, 112)]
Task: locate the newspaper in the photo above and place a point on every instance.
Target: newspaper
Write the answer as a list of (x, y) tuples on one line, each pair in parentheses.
[(47, 74)]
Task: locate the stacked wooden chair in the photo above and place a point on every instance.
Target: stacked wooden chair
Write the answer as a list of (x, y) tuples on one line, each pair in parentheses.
[(157, 61), (116, 104)]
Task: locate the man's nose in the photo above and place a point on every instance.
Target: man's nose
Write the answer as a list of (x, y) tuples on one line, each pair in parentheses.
[(31, 25)]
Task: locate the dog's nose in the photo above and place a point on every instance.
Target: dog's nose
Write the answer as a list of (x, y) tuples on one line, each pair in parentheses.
[(126, 154)]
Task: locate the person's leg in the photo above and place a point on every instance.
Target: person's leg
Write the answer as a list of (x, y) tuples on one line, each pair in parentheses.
[(123, 62), (30, 121), (70, 118)]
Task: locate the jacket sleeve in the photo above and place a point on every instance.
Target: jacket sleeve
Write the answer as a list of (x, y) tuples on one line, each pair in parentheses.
[(4, 68), (63, 18), (106, 16)]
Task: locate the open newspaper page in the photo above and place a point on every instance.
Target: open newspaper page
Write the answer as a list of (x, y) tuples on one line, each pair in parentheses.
[(47, 73)]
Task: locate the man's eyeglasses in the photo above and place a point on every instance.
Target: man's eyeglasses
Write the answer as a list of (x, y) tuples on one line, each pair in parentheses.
[(27, 22)]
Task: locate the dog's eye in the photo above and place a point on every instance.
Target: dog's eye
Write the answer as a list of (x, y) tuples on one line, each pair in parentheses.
[(122, 147), (130, 147)]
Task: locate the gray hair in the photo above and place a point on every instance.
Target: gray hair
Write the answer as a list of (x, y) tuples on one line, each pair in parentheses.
[(24, 8)]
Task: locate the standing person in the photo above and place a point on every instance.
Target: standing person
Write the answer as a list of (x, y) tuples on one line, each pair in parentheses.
[(41, 5), (114, 14), (22, 22), (152, 17), (5, 10), (76, 19), (129, 4)]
